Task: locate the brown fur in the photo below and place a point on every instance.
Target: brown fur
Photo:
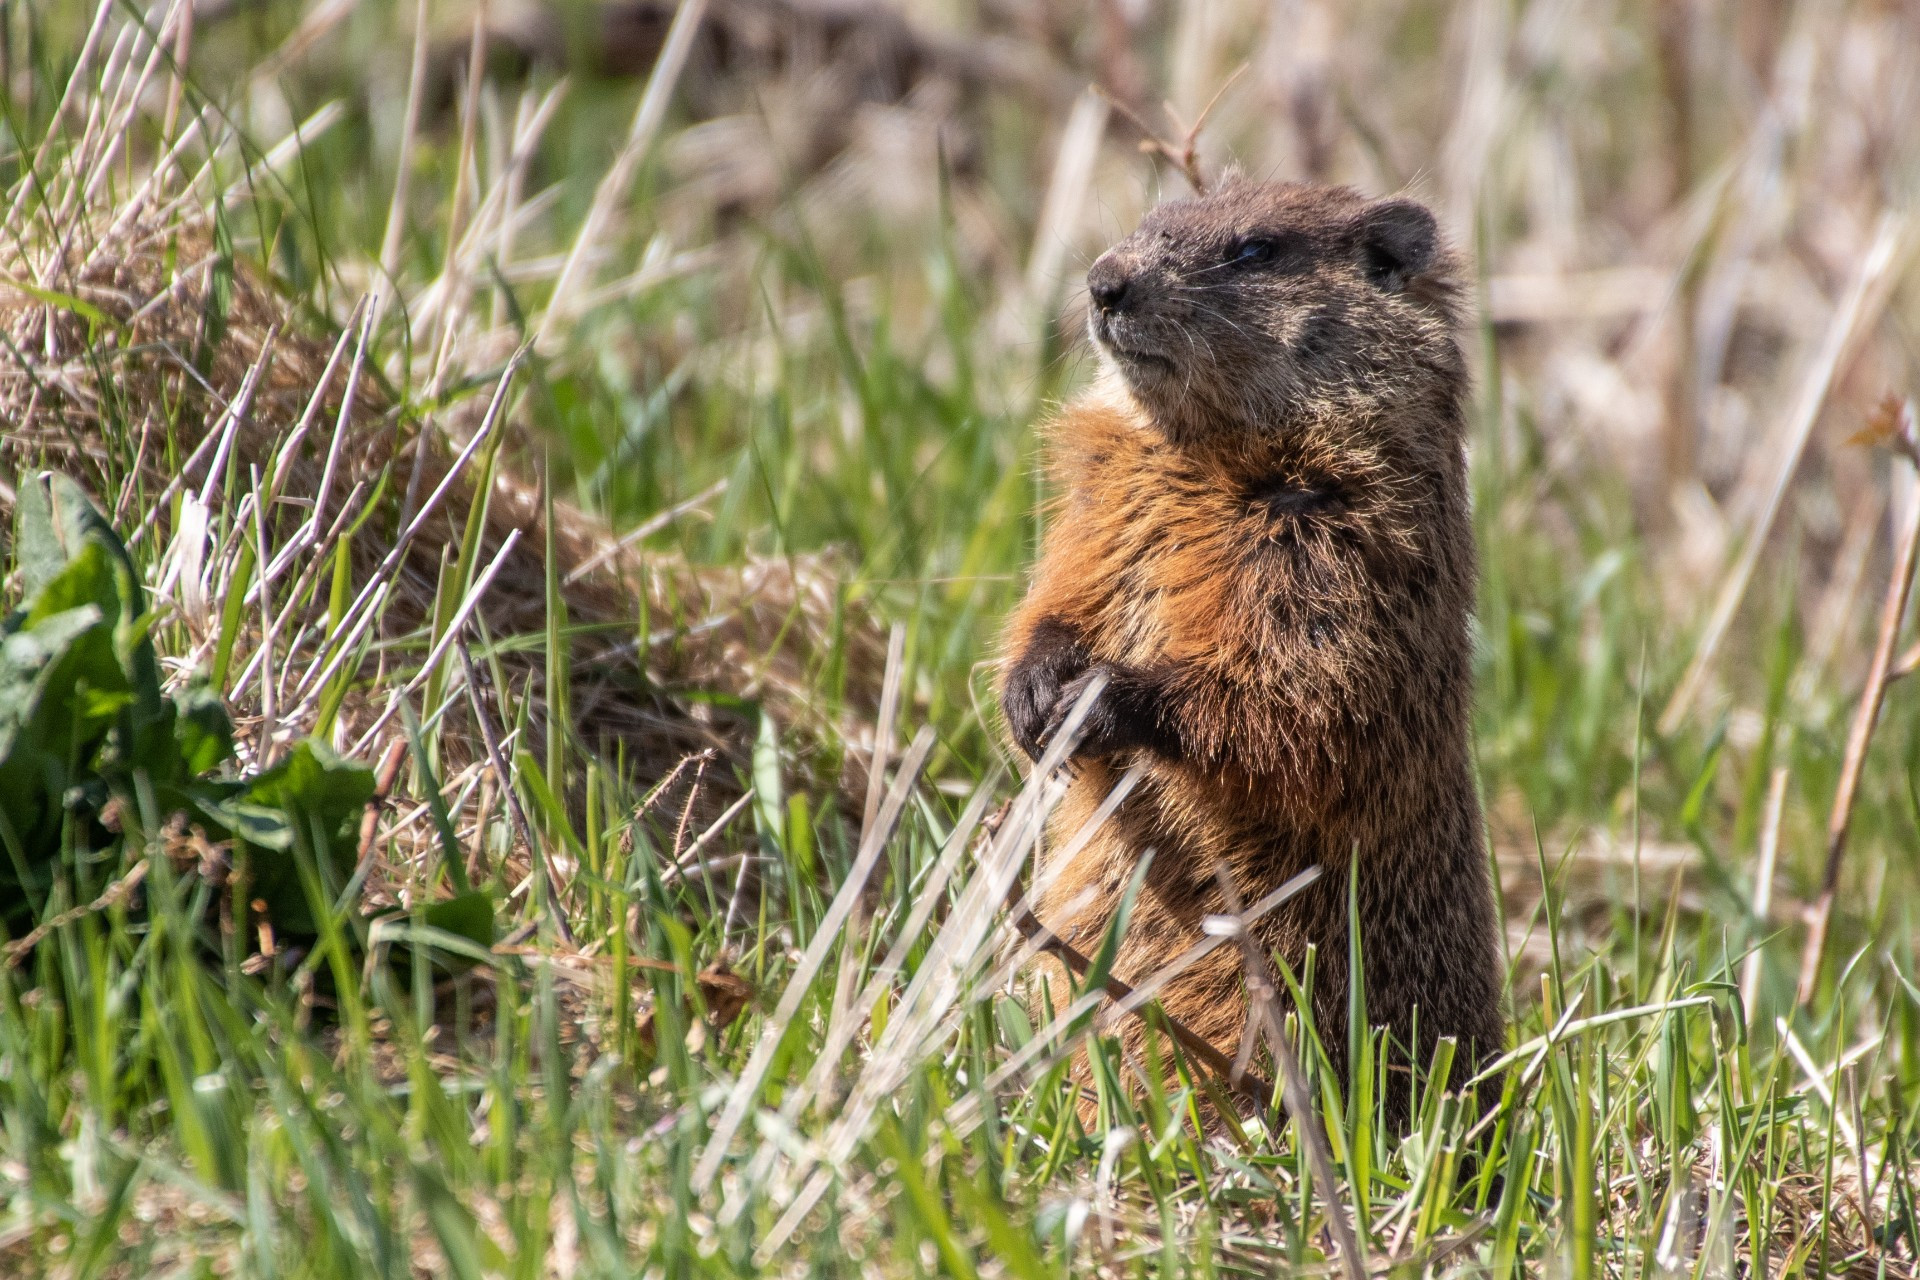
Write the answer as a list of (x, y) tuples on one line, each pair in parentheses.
[(1262, 540)]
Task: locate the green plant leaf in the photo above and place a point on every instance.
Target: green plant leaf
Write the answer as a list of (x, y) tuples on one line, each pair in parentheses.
[(468, 915), (202, 728), (61, 693), (54, 520), (314, 793), (315, 781)]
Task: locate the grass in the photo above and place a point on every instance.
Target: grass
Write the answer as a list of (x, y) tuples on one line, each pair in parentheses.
[(756, 1004)]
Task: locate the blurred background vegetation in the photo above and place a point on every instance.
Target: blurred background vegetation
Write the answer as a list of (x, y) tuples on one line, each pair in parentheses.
[(790, 293)]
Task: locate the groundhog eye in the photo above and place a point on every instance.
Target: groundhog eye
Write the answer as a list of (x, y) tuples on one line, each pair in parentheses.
[(1252, 251)]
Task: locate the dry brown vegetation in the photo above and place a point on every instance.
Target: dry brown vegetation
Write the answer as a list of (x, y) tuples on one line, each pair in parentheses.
[(673, 373)]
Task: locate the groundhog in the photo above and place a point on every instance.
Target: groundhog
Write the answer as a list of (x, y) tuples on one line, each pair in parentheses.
[(1262, 541)]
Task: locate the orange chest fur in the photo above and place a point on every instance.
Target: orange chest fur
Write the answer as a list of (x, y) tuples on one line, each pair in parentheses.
[(1153, 546)]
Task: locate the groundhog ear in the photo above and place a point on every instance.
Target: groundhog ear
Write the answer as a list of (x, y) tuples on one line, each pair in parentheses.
[(1398, 240)]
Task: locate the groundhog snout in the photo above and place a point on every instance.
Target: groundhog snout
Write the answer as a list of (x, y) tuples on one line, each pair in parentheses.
[(1111, 283)]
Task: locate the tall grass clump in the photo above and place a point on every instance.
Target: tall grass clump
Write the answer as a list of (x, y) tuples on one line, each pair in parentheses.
[(511, 515)]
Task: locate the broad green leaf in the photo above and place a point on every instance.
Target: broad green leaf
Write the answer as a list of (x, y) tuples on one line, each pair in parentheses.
[(312, 794), (202, 729), (54, 520), (456, 934), (469, 916), (315, 781)]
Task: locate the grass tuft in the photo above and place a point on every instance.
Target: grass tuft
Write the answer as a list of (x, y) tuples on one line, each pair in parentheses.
[(623, 467)]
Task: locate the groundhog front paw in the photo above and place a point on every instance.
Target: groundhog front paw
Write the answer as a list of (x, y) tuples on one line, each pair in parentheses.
[(1054, 657), (1114, 723), (1134, 712)]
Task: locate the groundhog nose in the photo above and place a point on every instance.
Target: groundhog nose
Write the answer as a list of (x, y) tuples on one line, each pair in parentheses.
[(1107, 283)]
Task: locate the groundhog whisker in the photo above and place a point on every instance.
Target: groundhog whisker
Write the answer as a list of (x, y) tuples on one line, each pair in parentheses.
[(1216, 314), (1207, 271), (1194, 350)]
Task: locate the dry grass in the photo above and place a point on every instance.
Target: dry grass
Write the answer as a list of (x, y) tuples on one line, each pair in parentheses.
[(224, 384), (645, 422)]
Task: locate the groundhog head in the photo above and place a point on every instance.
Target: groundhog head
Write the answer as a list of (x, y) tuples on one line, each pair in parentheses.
[(1269, 306)]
